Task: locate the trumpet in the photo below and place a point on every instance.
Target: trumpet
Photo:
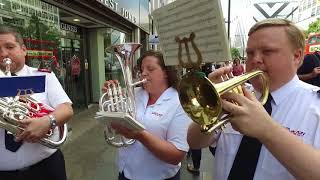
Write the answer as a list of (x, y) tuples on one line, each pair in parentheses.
[(14, 109), (201, 98)]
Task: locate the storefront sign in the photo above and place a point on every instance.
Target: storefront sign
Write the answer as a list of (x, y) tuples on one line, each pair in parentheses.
[(110, 4), (68, 27), (39, 53), (113, 5)]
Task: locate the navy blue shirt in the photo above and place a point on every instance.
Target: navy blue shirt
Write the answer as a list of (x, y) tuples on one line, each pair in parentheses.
[(310, 62)]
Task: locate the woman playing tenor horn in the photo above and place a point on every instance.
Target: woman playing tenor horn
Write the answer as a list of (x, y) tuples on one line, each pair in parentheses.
[(159, 148)]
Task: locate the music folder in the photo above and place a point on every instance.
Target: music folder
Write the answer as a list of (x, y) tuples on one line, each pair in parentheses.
[(21, 85), (121, 118)]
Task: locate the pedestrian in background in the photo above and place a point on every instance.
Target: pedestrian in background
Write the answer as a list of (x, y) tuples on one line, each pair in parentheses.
[(237, 68), (309, 71)]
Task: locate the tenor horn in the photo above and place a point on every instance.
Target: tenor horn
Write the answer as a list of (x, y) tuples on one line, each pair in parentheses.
[(15, 109), (201, 98), (118, 104)]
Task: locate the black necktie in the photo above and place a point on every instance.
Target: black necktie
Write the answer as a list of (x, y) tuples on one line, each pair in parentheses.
[(11, 145), (245, 162)]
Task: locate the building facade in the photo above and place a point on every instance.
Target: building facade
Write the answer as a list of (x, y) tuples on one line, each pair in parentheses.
[(257, 10), (308, 12), (75, 38)]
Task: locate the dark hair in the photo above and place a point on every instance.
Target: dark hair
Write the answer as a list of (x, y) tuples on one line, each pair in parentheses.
[(14, 32), (235, 60), (172, 72)]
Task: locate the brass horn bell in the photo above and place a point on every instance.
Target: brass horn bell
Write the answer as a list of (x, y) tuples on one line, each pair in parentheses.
[(200, 98)]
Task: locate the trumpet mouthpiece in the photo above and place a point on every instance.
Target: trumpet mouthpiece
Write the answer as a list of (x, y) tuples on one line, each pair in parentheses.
[(7, 61)]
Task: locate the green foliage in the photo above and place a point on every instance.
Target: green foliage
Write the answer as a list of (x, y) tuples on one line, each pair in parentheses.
[(234, 53), (313, 27)]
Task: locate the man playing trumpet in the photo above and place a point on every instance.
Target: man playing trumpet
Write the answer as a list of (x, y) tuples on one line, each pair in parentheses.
[(257, 145), (23, 158)]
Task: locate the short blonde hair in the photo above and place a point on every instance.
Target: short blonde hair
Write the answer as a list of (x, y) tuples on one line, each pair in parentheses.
[(294, 34)]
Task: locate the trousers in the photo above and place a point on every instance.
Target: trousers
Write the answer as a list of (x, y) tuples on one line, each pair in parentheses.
[(51, 168)]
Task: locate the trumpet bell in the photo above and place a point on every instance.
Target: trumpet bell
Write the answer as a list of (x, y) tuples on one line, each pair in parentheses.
[(201, 99)]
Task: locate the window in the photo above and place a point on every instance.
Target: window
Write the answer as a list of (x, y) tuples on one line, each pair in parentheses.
[(313, 12), (312, 40), (318, 10), (309, 3), (112, 65)]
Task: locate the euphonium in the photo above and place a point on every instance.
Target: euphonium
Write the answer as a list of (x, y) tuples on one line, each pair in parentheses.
[(200, 98), (14, 109), (117, 104)]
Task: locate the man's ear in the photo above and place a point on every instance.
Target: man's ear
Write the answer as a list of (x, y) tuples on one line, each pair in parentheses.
[(24, 49), (298, 56)]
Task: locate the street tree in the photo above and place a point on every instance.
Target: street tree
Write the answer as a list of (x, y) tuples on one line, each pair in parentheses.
[(314, 27), (234, 53)]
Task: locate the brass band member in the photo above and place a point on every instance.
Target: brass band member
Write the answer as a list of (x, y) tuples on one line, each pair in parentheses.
[(285, 144), (27, 159), (159, 148)]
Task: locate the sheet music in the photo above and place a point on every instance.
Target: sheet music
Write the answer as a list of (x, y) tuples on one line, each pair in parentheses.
[(204, 18)]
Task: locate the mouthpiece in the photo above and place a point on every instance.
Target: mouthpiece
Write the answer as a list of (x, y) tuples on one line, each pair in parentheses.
[(139, 82), (7, 61)]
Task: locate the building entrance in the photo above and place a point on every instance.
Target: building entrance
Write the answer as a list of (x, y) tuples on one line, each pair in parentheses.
[(73, 72)]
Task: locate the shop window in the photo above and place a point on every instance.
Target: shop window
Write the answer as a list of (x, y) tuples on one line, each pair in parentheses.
[(39, 28), (112, 65)]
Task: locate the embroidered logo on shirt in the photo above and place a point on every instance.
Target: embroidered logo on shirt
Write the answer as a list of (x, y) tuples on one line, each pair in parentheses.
[(296, 132), (157, 114)]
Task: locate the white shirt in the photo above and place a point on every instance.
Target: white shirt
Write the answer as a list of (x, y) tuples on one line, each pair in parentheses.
[(164, 119), (31, 153), (296, 106)]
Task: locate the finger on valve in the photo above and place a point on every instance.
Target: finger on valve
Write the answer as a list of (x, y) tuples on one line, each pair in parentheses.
[(220, 75)]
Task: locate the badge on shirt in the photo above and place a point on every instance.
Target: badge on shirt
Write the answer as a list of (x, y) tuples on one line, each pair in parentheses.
[(157, 114)]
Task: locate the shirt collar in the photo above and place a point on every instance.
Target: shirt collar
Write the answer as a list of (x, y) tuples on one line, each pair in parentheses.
[(22, 71), (165, 96), (280, 94)]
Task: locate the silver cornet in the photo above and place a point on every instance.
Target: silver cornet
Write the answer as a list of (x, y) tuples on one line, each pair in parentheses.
[(14, 109)]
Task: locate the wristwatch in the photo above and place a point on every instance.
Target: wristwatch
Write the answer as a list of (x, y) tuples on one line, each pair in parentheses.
[(53, 121)]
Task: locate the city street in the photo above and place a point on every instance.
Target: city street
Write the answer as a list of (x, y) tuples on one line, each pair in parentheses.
[(88, 157)]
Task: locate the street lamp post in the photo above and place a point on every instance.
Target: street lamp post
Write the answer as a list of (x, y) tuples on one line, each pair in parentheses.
[(229, 12)]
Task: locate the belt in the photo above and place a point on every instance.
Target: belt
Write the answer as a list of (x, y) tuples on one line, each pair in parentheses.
[(19, 170), (30, 167)]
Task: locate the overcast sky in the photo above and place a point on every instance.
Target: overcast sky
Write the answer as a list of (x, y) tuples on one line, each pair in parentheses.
[(236, 5)]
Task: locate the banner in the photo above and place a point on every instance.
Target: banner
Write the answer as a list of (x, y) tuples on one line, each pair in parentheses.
[(22, 85)]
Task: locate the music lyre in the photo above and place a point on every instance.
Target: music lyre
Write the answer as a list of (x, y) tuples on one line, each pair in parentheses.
[(189, 64)]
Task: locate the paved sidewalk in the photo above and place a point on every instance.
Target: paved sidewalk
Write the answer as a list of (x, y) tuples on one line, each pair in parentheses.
[(88, 157)]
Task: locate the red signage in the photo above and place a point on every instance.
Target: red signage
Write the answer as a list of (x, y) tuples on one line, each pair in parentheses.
[(75, 66)]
